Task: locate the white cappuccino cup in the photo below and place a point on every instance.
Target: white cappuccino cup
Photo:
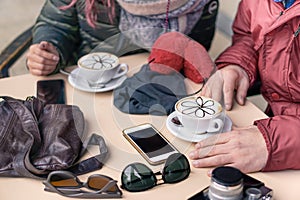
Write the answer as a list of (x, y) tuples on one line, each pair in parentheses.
[(199, 114), (101, 67)]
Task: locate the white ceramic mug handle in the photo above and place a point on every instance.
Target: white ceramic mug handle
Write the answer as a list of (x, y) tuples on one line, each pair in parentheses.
[(122, 70), (215, 125)]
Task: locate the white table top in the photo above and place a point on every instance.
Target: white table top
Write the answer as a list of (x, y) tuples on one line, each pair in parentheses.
[(103, 118)]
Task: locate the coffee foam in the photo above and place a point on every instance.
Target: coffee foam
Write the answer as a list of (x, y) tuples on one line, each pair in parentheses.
[(200, 107), (98, 61)]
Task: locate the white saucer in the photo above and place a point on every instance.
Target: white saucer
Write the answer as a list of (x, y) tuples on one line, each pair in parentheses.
[(82, 84), (184, 134)]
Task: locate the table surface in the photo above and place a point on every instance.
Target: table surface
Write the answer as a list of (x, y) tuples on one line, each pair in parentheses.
[(104, 119)]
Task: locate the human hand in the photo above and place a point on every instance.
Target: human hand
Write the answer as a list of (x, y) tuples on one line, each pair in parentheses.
[(224, 82), (42, 58), (243, 148)]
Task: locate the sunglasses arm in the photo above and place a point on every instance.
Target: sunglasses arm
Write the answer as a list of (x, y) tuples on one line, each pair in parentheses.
[(78, 193)]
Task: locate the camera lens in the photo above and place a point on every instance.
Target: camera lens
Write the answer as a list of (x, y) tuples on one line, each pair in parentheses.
[(226, 184)]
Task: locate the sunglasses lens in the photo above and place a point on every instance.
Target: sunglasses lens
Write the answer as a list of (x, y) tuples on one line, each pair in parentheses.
[(98, 182), (63, 181), (138, 177), (177, 168)]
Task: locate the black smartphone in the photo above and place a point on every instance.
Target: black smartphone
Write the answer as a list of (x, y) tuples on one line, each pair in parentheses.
[(150, 143), (51, 91)]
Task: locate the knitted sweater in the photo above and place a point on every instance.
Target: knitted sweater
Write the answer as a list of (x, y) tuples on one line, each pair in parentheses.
[(69, 31)]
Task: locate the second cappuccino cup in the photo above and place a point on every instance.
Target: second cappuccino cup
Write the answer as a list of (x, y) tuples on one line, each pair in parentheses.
[(199, 114)]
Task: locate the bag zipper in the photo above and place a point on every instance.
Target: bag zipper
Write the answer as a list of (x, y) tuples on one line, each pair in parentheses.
[(12, 119)]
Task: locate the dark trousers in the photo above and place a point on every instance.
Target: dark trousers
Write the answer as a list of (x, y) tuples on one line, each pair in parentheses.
[(204, 30)]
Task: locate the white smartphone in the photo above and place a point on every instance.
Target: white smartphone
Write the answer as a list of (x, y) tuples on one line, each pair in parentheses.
[(150, 143)]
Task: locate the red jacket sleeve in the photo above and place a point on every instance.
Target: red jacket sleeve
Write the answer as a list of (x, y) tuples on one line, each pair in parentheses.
[(241, 52), (283, 141)]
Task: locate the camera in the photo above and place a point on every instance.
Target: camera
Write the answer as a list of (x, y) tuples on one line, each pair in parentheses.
[(229, 183)]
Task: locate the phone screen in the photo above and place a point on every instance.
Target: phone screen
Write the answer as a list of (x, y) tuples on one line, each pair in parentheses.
[(151, 143), (51, 91)]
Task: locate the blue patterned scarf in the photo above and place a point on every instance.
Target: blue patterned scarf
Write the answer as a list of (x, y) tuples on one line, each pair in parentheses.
[(286, 3), (143, 21)]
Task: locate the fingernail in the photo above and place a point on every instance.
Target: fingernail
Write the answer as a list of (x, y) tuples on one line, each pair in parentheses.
[(56, 58), (197, 145), (227, 106), (191, 155), (209, 173), (241, 100), (195, 162)]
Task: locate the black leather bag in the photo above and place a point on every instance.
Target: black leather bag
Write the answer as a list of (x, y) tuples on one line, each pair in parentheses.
[(37, 138)]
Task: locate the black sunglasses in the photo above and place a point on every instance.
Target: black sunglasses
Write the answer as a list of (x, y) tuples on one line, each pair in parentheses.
[(138, 177), (67, 184)]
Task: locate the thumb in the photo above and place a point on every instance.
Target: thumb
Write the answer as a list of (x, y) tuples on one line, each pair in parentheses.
[(47, 46), (44, 45)]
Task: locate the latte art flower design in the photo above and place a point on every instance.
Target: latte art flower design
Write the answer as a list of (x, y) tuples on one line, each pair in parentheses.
[(99, 62), (199, 108)]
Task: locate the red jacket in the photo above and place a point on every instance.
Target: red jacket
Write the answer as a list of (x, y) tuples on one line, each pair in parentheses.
[(266, 41)]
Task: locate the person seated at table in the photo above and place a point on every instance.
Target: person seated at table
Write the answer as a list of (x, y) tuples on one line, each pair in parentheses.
[(67, 29), (266, 44)]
